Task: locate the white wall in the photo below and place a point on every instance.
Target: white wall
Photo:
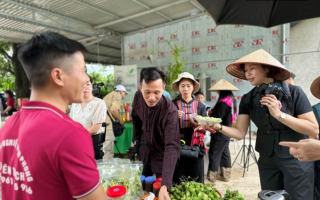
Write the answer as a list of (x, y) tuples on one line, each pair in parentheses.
[(305, 38)]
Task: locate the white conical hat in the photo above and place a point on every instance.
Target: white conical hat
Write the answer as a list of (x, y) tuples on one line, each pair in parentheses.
[(175, 84), (260, 57), (223, 84)]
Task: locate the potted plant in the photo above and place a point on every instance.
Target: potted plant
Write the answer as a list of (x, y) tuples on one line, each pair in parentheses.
[(175, 66)]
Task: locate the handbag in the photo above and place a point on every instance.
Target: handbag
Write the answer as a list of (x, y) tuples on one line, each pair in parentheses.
[(186, 151), (116, 126)]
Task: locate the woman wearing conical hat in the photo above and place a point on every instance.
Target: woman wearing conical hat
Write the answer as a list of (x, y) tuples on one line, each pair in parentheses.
[(282, 112), (187, 105), (219, 154)]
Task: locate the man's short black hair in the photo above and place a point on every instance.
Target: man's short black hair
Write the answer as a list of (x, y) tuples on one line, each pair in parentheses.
[(44, 52), (197, 93), (151, 74)]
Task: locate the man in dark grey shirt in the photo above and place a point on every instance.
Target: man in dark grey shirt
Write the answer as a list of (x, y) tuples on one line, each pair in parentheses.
[(160, 138)]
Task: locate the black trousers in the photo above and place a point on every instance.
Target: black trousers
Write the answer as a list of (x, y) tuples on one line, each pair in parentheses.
[(189, 167), (147, 171), (219, 154), (289, 174), (96, 146)]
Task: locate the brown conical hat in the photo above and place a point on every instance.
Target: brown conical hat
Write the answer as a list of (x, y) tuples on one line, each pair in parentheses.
[(223, 84), (315, 88), (260, 57)]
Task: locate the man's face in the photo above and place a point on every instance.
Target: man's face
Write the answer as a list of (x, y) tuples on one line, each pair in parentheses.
[(76, 79), (122, 94), (152, 92), (200, 98)]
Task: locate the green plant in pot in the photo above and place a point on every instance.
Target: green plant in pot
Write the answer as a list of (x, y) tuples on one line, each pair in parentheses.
[(175, 66)]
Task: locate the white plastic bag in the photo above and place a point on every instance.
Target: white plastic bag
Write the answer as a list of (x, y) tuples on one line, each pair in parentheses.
[(207, 138)]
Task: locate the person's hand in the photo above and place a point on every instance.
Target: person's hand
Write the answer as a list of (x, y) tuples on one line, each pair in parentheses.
[(304, 150), (272, 103), (194, 122), (163, 193), (132, 145), (121, 122), (180, 113)]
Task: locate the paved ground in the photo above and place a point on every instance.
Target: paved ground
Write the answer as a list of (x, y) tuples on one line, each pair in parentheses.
[(249, 185)]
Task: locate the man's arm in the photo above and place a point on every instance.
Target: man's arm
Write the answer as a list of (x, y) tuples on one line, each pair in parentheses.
[(115, 113), (137, 125), (172, 148), (97, 194)]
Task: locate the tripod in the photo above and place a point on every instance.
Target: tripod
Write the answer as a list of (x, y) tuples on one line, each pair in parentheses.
[(245, 158)]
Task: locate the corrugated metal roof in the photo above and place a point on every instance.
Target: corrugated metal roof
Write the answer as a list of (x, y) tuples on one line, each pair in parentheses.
[(98, 24)]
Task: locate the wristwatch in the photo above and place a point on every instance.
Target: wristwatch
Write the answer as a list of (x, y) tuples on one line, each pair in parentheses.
[(282, 116)]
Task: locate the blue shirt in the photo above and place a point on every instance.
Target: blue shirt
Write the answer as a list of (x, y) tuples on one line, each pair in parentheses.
[(166, 94)]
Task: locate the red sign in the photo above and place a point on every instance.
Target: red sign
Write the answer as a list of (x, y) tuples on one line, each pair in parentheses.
[(162, 68), (257, 42), (160, 54), (238, 97), (133, 47), (238, 44), (286, 40), (286, 59), (212, 48), (213, 98), (237, 80), (196, 66), (214, 81), (275, 32), (195, 50), (144, 45), (131, 58), (143, 57), (238, 26), (174, 37), (160, 39), (212, 65), (195, 33), (212, 30)]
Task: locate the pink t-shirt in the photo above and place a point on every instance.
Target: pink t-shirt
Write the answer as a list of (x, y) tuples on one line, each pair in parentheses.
[(45, 155)]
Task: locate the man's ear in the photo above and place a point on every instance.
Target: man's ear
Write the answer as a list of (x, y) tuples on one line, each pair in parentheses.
[(57, 76), (164, 86), (140, 87)]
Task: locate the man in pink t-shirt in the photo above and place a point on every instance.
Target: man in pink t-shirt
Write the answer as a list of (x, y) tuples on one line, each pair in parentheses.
[(44, 155)]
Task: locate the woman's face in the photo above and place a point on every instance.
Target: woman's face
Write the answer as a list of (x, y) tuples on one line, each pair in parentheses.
[(87, 90), (255, 73), (6, 95), (186, 88)]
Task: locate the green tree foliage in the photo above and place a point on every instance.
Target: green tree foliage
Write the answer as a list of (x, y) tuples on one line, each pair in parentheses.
[(107, 81), (175, 66), (6, 68)]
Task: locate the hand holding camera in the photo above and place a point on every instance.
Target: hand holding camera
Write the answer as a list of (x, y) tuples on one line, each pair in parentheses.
[(272, 103)]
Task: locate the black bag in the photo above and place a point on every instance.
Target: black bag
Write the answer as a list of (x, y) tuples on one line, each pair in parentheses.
[(117, 127), (189, 152)]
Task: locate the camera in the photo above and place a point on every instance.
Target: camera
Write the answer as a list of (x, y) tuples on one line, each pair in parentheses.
[(134, 151), (96, 89), (271, 88)]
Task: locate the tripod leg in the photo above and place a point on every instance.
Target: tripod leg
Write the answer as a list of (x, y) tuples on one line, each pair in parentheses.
[(115, 143), (241, 151)]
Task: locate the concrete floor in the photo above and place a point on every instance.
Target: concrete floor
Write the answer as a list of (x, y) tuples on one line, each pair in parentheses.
[(249, 185)]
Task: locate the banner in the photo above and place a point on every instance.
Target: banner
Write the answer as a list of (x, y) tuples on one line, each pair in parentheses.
[(127, 76)]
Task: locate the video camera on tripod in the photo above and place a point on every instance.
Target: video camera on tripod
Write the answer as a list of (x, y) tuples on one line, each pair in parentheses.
[(96, 88), (134, 150)]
